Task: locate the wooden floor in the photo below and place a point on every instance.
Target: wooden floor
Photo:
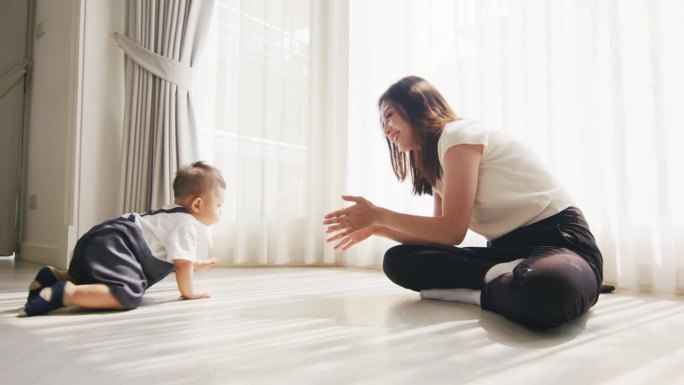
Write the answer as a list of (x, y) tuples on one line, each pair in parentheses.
[(330, 326)]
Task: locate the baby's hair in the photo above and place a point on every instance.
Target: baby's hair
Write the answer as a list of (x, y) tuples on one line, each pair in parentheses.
[(195, 179)]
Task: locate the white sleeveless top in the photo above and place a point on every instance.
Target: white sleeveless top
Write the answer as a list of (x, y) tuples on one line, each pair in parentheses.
[(514, 187)]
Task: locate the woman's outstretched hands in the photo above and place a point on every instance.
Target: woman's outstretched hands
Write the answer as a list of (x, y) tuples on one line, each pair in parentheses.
[(352, 224), (351, 239)]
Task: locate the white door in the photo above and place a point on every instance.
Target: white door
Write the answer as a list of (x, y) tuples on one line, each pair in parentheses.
[(14, 54)]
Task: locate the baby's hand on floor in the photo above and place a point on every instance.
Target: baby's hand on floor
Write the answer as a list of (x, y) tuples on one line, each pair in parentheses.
[(198, 294)]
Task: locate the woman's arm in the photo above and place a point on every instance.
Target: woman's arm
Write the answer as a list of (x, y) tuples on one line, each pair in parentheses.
[(438, 205), (394, 235), (460, 173), (386, 232)]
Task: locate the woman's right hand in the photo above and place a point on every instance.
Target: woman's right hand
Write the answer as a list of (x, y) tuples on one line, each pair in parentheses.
[(352, 238)]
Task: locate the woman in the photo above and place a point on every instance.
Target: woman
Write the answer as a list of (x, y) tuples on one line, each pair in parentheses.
[(541, 266)]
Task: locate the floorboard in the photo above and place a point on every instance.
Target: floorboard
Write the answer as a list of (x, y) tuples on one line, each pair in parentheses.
[(330, 326)]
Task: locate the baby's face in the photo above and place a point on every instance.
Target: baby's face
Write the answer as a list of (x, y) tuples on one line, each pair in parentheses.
[(210, 209)]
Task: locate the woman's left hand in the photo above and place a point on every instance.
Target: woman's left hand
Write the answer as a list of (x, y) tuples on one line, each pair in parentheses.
[(353, 218), (351, 239)]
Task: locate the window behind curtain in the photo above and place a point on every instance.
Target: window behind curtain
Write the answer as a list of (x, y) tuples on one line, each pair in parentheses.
[(252, 110)]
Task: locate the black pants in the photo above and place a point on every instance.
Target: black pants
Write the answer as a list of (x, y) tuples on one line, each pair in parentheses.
[(559, 279)]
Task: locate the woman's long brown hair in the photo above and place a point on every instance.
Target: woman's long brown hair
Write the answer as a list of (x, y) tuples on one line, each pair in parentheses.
[(426, 111)]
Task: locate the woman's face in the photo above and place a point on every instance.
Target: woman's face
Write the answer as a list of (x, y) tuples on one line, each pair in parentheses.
[(396, 129)]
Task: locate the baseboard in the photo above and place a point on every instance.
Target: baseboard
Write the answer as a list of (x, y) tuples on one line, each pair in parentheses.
[(43, 254)]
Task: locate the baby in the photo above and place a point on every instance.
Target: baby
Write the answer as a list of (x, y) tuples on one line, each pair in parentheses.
[(116, 261)]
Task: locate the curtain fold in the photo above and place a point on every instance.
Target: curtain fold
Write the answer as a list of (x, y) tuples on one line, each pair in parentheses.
[(162, 42), (172, 71)]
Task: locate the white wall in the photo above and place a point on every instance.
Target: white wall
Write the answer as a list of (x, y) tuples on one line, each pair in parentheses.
[(45, 227), (102, 111), (75, 126)]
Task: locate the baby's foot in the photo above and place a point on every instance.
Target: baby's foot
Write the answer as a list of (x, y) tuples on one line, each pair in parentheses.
[(47, 300), (46, 277)]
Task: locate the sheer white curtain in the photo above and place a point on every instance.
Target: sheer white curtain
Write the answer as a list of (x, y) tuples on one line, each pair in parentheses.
[(263, 93), (595, 87)]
